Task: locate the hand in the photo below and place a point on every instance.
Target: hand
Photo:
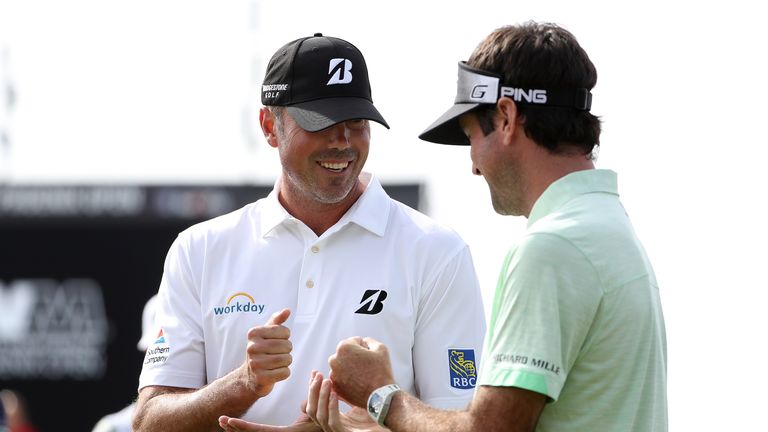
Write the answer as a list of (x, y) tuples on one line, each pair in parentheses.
[(268, 354), (323, 408), (359, 367), (319, 413), (303, 424)]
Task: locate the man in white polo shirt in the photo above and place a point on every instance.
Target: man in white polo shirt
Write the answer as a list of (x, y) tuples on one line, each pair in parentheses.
[(576, 340), (268, 291)]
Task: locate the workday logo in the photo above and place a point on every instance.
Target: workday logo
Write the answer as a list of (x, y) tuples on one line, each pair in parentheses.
[(239, 303), (339, 69)]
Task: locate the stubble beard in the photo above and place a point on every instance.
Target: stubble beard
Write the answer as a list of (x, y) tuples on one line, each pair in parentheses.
[(308, 188), (507, 192)]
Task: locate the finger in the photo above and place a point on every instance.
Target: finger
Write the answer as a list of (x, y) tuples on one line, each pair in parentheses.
[(268, 332), (374, 345), (322, 403), (312, 396), (223, 421), (354, 340), (363, 343), (267, 362), (229, 424), (235, 424), (334, 416), (269, 375), (242, 425), (278, 318), (268, 346)]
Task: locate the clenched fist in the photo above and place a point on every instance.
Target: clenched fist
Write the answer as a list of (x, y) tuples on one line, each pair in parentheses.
[(359, 367)]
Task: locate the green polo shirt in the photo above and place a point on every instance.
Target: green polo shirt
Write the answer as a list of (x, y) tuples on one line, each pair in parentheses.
[(577, 316)]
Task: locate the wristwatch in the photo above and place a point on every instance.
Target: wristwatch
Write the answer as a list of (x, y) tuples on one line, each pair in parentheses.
[(379, 400)]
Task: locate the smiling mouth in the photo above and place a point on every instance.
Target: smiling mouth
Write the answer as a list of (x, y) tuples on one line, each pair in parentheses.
[(334, 166)]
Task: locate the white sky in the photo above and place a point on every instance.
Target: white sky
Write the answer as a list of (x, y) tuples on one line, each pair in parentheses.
[(162, 91)]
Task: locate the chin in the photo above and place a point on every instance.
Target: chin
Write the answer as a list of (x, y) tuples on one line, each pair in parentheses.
[(506, 210)]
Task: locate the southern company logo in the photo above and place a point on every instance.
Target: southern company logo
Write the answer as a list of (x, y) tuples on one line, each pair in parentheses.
[(158, 352), (237, 307), (160, 338), (461, 363)]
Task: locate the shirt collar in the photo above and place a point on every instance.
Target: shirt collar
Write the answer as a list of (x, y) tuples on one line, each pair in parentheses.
[(273, 214), (570, 186), (370, 211)]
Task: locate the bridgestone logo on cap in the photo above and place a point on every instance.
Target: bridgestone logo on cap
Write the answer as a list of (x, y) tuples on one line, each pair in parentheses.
[(340, 69), (271, 91)]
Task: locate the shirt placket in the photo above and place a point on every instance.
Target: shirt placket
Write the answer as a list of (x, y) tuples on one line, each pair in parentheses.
[(310, 281)]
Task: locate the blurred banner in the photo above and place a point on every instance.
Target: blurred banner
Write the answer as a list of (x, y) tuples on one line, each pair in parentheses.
[(77, 264)]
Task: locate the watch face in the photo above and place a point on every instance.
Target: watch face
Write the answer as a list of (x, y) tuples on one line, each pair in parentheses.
[(375, 404)]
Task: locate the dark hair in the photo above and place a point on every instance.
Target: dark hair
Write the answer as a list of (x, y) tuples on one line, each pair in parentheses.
[(540, 55)]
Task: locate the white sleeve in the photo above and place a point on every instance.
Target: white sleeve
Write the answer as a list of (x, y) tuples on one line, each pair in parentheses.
[(450, 328), (177, 356)]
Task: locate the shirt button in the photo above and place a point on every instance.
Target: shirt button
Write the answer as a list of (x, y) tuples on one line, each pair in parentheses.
[(315, 249), (310, 283)]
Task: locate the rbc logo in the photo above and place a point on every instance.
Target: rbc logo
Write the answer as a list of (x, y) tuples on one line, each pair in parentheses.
[(462, 367)]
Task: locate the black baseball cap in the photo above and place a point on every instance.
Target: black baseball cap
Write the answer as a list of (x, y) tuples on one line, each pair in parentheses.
[(322, 81)]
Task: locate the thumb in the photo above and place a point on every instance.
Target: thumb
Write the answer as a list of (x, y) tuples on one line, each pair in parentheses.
[(280, 317), (374, 345)]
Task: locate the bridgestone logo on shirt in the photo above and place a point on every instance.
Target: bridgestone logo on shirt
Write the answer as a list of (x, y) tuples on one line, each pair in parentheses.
[(372, 302)]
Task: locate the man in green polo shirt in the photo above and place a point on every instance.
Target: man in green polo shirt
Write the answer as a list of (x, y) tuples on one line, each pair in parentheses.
[(576, 339)]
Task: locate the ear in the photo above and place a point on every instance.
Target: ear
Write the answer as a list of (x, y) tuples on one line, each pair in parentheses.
[(509, 118), (267, 121)]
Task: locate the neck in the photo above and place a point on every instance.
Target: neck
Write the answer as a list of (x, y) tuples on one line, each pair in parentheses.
[(544, 168), (316, 215)]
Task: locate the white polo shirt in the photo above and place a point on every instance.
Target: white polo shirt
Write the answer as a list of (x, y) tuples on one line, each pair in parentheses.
[(384, 270)]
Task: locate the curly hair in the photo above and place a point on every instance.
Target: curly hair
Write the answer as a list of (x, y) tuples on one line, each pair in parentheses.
[(542, 55)]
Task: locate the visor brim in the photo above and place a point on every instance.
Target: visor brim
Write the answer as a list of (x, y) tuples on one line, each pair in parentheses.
[(446, 129)]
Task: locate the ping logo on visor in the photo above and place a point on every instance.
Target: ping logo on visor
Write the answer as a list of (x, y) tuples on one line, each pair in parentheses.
[(479, 86), (463, 371)]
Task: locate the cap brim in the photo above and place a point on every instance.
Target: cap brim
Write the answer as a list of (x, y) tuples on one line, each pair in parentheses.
[(446, 129), (321, 114)]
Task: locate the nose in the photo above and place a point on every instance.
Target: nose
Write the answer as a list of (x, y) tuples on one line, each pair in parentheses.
[(476, 171), (338, 136)]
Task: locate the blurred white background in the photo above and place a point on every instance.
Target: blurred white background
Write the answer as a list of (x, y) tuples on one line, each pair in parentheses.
[(166, 91)]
